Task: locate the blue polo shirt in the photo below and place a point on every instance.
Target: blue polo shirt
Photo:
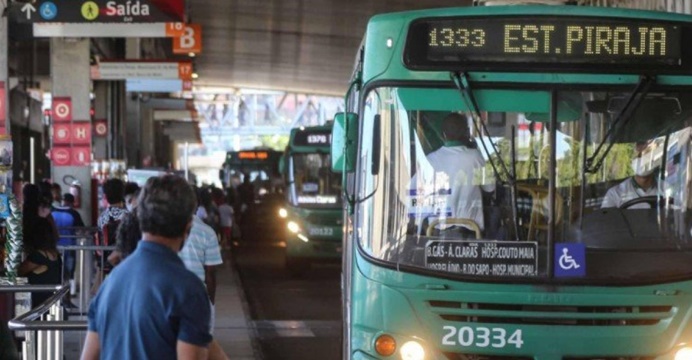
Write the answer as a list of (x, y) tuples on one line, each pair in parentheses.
[(148, 303)]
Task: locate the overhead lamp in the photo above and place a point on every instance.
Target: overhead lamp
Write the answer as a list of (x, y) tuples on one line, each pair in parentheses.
[(191, 54), (195, 75)]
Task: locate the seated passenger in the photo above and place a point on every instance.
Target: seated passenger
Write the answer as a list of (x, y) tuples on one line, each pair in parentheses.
[(641, 184), (456, 164)]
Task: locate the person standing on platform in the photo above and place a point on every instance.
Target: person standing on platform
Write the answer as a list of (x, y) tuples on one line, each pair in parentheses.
[(151, 306), (202, 255)]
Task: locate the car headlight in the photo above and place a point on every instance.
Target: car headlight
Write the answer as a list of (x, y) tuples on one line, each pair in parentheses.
[(283, 213), (293, 227), (684, 354)]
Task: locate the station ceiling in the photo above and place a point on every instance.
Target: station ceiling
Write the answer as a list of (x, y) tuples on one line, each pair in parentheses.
[(305, 46)]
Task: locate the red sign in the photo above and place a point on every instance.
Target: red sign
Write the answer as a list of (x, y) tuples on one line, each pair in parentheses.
[(81, 133), (61, 156), (62, 134), (62, 109), (81, 156), (100, 128)]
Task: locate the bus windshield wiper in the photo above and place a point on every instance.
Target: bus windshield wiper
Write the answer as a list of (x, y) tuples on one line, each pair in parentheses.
[(633, 100), (461, 80)]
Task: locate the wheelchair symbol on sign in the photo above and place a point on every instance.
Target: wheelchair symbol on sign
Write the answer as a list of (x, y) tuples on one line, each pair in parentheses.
[(48, 10), (566, 261)]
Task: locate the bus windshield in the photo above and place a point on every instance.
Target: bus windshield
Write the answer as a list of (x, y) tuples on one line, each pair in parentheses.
[(313, 184), (441, 202)]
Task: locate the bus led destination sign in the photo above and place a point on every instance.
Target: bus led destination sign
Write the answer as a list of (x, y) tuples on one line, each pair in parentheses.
[(552, 40)]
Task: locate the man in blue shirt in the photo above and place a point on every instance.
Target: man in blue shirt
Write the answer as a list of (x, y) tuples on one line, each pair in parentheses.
[(151, 306)]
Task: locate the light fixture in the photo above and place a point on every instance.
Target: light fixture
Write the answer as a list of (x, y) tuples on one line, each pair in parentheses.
[(412, 350), (385, 345), (293, 227), (283, 213), (195, 75), (684, 354), (191, 54)]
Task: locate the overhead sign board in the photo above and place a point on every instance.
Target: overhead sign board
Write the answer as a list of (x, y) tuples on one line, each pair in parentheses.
[(114, 70), (99, 11), (107, 30)]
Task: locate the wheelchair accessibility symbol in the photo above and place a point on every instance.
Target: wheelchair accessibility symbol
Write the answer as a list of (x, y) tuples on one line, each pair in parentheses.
[(570, 260), (48, 10)]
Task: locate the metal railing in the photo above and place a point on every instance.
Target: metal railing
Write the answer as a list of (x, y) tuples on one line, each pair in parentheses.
[(44, 326)]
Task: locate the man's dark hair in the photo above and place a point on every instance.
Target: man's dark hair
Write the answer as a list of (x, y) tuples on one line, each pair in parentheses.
[(68, 198), (131, 188), (114, 190), (166, 205), (455, 127)]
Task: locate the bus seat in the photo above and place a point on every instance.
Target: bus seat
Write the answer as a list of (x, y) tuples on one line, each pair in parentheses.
[(538, 216)]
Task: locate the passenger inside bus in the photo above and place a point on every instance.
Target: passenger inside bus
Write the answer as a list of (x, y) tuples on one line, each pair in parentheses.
[(641, 184), (456, 164)]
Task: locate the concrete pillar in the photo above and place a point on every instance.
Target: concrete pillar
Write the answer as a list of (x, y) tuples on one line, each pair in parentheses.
[(101, 94), (135, 134), (69, 61)]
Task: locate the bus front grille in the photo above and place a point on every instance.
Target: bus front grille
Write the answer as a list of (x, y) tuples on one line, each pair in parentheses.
[(550, 314)]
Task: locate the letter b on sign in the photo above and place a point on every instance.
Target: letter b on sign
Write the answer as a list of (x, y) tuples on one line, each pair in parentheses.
[(190, 41)]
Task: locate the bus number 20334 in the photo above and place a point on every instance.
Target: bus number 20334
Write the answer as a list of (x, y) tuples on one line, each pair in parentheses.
[(481, 337)]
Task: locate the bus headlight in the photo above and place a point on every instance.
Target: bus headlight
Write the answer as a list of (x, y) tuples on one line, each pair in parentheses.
[(283, 213), (412, 350), (293, 227), (684, 354)]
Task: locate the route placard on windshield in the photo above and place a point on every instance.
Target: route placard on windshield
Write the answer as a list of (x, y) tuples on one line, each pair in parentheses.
[(483, 258)]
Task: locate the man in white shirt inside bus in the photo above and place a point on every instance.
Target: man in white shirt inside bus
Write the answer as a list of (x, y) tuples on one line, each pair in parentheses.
[(641, 184), (456, 165)]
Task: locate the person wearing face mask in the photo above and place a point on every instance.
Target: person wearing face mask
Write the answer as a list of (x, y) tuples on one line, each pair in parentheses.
[(641, 184)]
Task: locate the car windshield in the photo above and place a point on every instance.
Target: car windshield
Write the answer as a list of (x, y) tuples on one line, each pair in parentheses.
[(313, 184), (466, 194)]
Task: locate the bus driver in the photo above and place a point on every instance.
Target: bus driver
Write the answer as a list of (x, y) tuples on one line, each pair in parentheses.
[(641, 184)]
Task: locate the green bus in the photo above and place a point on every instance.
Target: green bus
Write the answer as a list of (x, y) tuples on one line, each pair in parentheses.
[(314, 212), (517, 185)]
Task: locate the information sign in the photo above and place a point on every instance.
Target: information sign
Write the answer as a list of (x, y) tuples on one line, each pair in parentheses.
[(81, 133), (61, 156), (62, 133), (123, 70), (190, 41), (81, 156), (483, 258), (99, 11), (312, 138), (62, 109), (560, 42)]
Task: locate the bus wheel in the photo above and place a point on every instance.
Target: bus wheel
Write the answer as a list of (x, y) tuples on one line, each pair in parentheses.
[(297, 267)]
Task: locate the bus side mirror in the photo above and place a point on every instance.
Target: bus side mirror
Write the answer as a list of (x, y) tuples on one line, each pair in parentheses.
[(343, 151)]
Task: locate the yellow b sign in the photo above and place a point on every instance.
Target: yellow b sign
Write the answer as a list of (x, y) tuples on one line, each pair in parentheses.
[(90, 10)]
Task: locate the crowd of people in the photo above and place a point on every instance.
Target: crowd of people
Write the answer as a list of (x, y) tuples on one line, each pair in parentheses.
[(168, 238)]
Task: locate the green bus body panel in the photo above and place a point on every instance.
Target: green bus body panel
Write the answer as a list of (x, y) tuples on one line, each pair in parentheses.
[(411, 307), (319, 247), (398, 304), (388, 64)]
